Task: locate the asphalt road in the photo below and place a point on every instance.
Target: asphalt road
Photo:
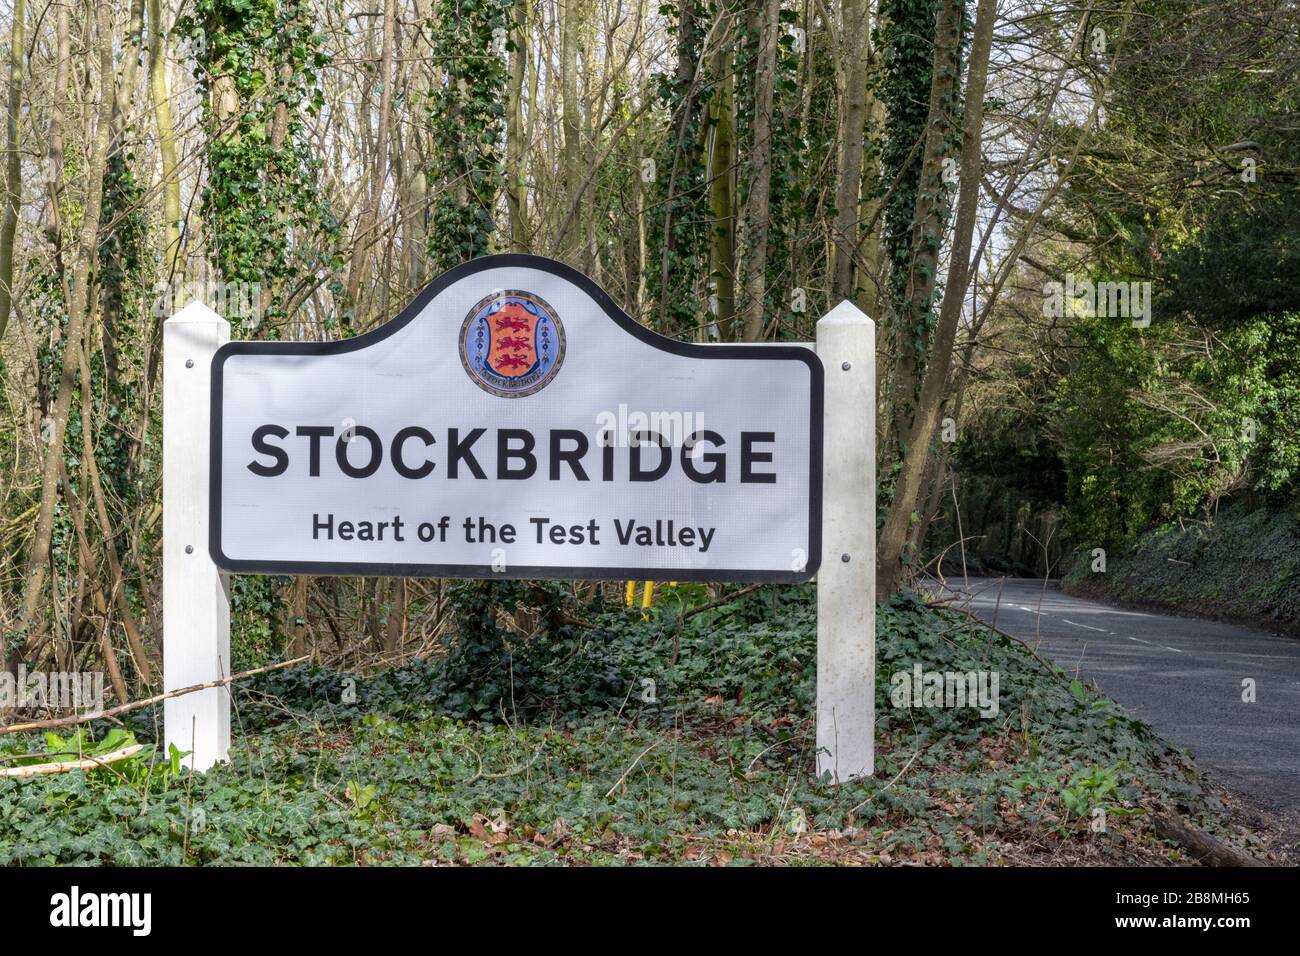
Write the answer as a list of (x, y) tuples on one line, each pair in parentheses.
[(1183, 676)]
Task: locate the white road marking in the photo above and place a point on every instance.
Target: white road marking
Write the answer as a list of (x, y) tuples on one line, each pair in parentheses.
[(975, 597), (1153, 644)]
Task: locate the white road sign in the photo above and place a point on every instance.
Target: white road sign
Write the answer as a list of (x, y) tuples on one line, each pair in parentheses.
[(514, 422)]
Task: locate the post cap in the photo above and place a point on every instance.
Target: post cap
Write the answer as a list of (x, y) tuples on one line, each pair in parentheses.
[(197, 311), (846, 313)]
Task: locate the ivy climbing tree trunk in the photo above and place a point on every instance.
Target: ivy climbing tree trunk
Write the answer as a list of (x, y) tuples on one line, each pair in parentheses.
[(467, 128), (918, 431), (678, 172), (13, 186), (929, 219)]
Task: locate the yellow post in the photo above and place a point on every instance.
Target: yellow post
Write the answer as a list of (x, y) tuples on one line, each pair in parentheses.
[(631, 593)]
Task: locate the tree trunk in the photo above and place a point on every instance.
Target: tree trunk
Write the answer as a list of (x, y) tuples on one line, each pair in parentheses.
[(722, 176), (516, 147), (688, 68), (414, 190), (130, 69), (83, 264), (396, 628), (929, 219), (917, 437), (162, 111), (936, 468), (870, 273), (571, 120), (370, 211), (90, 477), (766, 19), (856, 56), (77, 510), (296, 625), (13, 195)]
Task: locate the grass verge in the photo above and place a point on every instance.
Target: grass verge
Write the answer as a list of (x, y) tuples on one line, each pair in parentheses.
[(1241, 566), (614, 739)]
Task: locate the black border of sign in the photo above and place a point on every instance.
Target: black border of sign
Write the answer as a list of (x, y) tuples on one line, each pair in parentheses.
[(624, 321)]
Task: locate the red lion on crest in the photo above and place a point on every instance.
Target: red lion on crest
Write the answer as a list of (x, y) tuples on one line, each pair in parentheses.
[(513, 355)]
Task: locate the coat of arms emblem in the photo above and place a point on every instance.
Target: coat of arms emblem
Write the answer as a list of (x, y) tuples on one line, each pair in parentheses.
[(512, 343)]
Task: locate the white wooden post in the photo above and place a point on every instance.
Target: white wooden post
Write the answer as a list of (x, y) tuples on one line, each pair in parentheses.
[(196, 605), (846, 582)]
